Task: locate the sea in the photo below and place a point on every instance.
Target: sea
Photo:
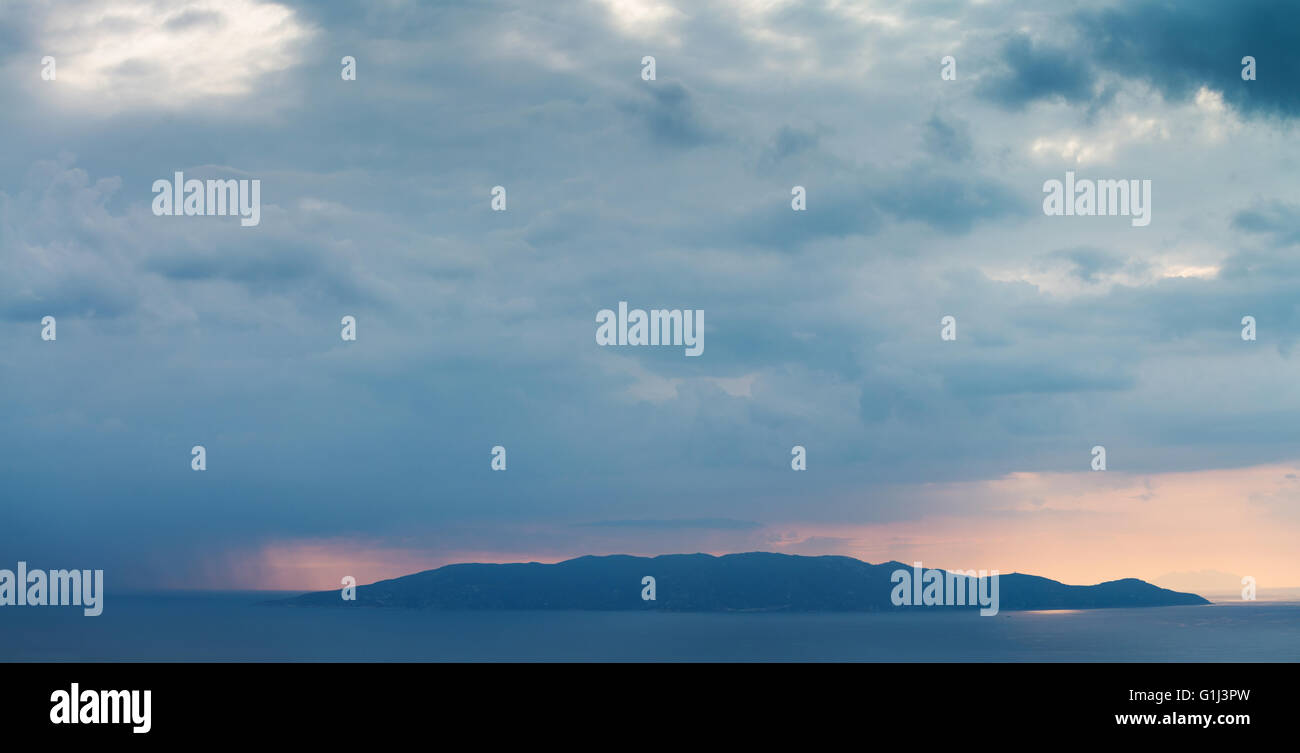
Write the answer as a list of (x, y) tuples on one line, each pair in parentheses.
[(240, 626)]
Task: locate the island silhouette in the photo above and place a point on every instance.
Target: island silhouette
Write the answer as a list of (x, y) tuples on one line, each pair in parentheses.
[(749, 582)]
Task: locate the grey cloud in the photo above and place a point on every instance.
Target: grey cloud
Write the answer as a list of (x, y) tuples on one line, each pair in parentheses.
[(704, 523), (947, 201), (1088, 264), (1278, 220), (1037, 70), (947, 138), (1181, 47), (476, 326), (788, 142), (973, 378), (669, 113)]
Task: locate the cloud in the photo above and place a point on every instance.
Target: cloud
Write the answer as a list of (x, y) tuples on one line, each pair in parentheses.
[(133, 53), (669, 114), (706, 523), (476, 327), (972, 379), (788, 142), (1035, 70), (1278, 220), (947, 139), (952, 202), (1089, 264), (1181, 48), (1180, 51)]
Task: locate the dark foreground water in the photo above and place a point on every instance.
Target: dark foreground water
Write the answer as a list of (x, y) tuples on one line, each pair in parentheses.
[(233, 626)]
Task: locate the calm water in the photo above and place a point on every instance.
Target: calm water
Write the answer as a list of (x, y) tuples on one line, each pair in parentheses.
[(232, 626)]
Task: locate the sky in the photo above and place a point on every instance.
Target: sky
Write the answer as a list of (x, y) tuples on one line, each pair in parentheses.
[(475, 328)]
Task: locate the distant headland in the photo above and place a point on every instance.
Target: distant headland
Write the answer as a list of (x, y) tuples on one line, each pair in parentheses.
[(750, 582)]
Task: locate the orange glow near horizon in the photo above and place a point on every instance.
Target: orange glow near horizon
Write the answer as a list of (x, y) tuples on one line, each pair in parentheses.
[(1085, 528), (1078, 528)]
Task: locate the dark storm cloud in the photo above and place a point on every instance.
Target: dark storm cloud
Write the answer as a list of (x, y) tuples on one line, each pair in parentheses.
[(1176, 47), (476, 327), (1034, 71), (1179, 47)]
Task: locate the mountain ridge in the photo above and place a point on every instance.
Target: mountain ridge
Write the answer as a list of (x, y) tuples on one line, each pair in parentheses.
[(749, 582)]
